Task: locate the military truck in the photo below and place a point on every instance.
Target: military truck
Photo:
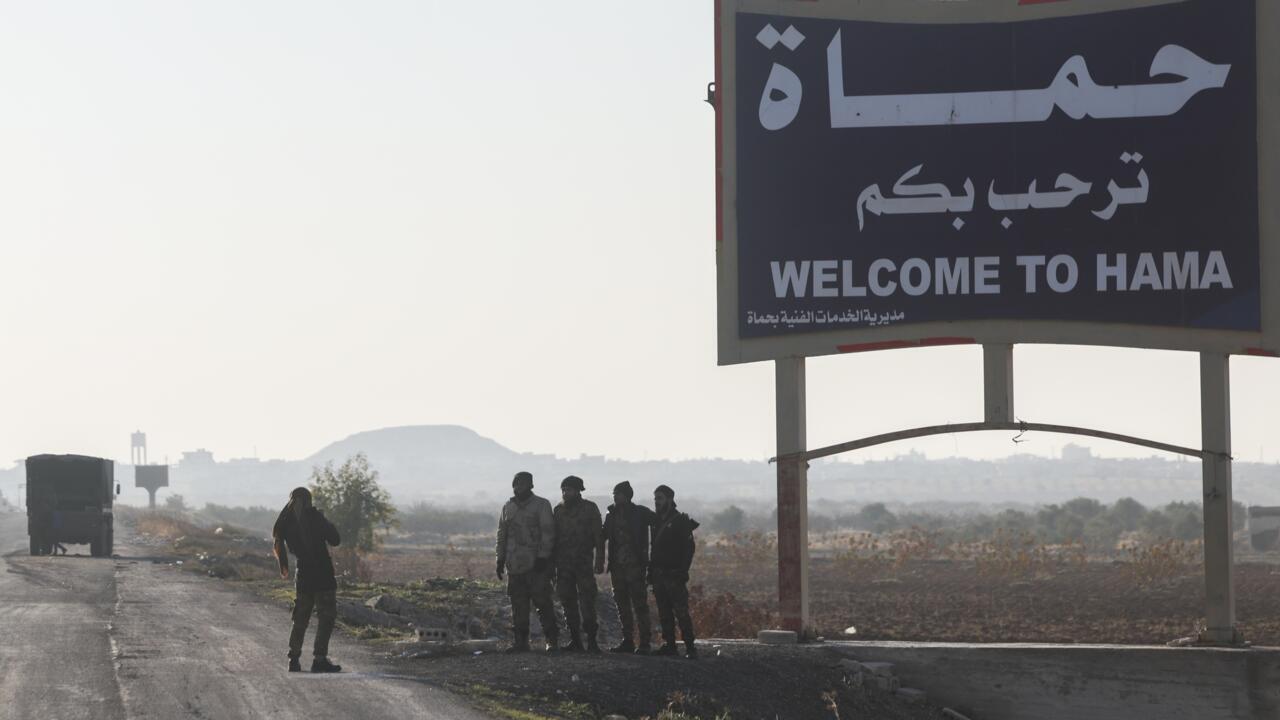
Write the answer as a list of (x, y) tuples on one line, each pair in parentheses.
[(69, 499)]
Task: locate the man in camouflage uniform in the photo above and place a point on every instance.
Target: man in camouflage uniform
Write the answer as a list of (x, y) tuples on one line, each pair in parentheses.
[(526, 536), (626, 535), (579, 551), (669, 563)]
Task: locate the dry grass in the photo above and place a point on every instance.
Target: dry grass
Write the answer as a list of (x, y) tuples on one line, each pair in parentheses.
[(1157, 563), (229, 554)]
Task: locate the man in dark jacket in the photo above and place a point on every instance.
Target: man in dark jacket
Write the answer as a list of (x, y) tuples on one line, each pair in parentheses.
[(626, 536), (302, 530), (669, 563)]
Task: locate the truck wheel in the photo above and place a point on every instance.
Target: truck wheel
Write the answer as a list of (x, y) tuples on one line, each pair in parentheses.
[(111, 542), (95, 547)]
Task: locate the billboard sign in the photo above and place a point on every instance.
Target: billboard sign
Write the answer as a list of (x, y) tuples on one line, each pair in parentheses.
[(907, 172), (151, 476)]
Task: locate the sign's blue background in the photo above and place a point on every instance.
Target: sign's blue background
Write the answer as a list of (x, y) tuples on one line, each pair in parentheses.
[(798, 186)]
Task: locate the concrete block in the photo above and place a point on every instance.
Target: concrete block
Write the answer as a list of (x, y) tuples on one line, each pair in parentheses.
[(414, 649), (483, 645), (887, 684), (853, 666), (358, 614), (1098, 682), (432, 634), (777, 637), (911, 695), (882, 669)]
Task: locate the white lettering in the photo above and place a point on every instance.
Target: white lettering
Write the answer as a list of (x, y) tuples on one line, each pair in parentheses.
[(1215, 271), (951, 279), (849, 289), (1058, 263), (1107, 271), (1031, 264), (824, 278), (921, 268), (878, 288), (986, 276), (1184, 275), (1146, 273), (790, 277)]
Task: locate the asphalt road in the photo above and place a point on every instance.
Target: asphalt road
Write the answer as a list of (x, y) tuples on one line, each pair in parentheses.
[(127, 637)]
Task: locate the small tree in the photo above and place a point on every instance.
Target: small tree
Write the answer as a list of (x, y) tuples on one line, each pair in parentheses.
[(176, 503), (352, 500), (877, 518), (1128, 513), (730, 521)]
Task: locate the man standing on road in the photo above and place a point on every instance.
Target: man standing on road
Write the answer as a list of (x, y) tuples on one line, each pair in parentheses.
[(301, 529), (669, 563), (626, 534), (526, 537), (579, 551)]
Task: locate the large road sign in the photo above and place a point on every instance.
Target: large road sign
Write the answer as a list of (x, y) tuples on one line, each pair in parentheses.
[(897, 173)]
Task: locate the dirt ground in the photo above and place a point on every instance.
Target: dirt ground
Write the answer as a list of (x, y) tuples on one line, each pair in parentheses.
[(748, 682), (738, 681), (734, 595), (1098, 602), (1094, 602)]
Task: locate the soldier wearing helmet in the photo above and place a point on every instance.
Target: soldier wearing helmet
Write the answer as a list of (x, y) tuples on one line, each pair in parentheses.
[(578, 557)]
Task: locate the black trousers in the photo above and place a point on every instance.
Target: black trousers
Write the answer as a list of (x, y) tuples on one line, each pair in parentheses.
[(325, 605)]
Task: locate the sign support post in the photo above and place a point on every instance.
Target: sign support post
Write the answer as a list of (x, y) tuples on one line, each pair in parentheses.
[(793, 497), (997, 382), (1215, 431)]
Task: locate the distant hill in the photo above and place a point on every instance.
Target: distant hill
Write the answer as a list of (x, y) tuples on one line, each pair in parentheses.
[(411, 445), (454, 465)]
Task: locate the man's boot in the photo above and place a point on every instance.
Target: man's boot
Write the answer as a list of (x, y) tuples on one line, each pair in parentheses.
[(644, 649), (520, 643), (626, 646), (668, 640), (690, 651), (553, 645), (592, 647), (322, 665), (295, 665), (575, 641)]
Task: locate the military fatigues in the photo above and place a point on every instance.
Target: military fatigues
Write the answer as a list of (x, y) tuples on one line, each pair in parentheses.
[(579, 542), (526, 533), (314, 582), (672, 554), (626, 533)]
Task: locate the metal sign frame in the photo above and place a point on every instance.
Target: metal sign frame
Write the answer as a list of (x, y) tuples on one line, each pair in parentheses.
[(997, 337), (732, 348)]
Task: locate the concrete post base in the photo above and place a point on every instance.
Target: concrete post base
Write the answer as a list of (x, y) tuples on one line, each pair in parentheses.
[(1221, 637)]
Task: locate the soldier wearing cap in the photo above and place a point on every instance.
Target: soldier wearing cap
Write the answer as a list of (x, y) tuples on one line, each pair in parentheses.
[(526, 537), (626, 536), (672, 554), (579, 554)]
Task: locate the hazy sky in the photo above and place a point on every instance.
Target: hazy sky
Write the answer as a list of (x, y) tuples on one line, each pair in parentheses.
[(241, 225)]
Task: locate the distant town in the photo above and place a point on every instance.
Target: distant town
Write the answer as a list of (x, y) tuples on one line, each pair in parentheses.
[(454, 466)]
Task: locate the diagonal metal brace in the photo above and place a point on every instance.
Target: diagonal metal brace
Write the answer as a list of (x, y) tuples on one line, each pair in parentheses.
[(1020, 427)]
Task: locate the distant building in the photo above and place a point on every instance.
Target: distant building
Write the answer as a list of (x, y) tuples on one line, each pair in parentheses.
[(1076, 453), (196, 458)]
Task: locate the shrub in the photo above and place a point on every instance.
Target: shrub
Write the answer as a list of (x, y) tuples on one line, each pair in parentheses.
[(724, 615)]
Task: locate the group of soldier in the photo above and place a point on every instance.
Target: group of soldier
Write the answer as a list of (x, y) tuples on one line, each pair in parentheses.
[(639, 548)]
